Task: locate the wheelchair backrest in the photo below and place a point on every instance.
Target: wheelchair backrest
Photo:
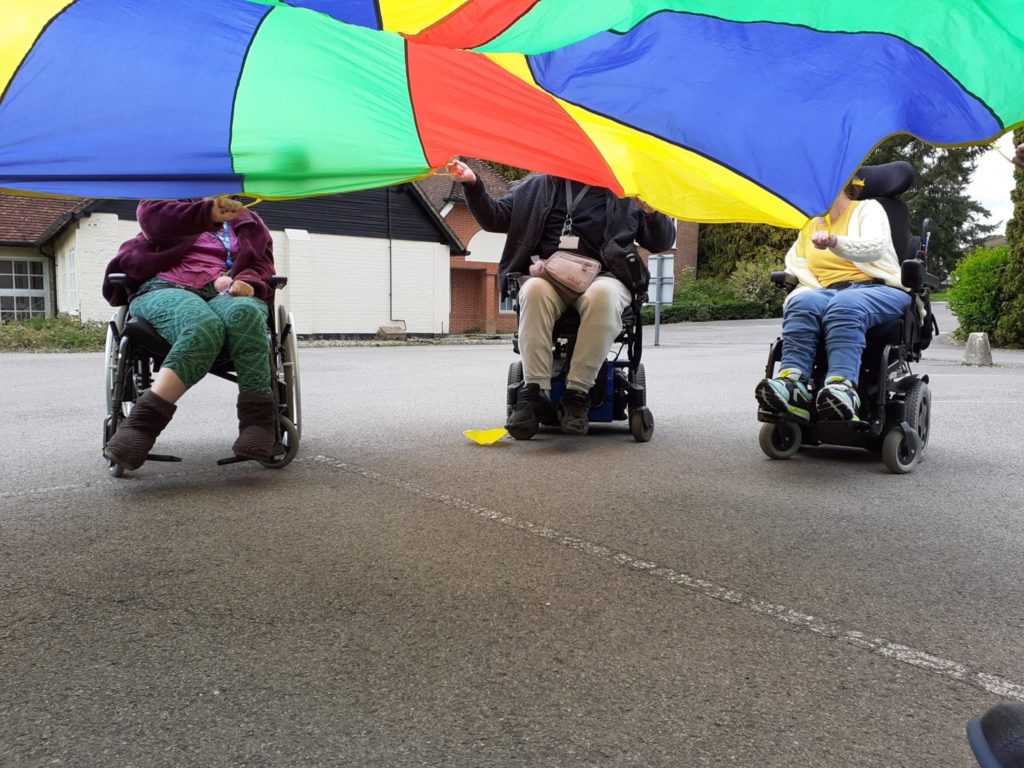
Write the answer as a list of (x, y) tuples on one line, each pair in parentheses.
[(885, 183)]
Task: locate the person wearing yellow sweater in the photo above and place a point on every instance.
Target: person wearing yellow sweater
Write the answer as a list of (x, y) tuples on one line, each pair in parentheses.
[(849, 281)]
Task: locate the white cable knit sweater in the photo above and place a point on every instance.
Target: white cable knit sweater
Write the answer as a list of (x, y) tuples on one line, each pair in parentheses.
[(868, 245)]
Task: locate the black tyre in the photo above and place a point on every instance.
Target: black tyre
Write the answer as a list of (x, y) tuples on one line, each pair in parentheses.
[(290, 367), (515, 379), (919, 411), (780, 439), (641, 424)]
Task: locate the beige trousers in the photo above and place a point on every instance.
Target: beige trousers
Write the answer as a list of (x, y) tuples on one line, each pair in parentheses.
[(600, 311)]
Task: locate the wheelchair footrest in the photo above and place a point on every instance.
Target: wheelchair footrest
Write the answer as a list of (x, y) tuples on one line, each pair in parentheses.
[(162, 457), (233, 460)]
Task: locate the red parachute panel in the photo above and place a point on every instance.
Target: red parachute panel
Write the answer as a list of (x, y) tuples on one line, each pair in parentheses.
[(465, 104), (474, 23)]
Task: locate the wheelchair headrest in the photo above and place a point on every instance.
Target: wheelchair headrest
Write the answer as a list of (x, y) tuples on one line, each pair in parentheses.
[(887, 180)]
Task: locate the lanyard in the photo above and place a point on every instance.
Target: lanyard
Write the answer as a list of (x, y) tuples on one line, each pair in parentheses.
[(570, 205), (225, 239)]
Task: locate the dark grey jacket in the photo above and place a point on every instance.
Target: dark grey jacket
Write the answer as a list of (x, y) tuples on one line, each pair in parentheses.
[(522, 213)]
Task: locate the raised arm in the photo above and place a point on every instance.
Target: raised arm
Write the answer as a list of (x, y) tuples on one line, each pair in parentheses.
[(493, 215)]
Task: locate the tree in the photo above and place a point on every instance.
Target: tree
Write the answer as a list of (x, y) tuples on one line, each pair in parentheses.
[(940, 195), (943, 175), (720, 247), (510, 172), (1010, 331)]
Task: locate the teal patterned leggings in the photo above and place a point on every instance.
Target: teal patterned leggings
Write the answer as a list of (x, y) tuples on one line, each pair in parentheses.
[(197, 327)]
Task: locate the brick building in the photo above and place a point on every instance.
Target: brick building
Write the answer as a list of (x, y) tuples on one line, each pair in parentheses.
[(476, 305)]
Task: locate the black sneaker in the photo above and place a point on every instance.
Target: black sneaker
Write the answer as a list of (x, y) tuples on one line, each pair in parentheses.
[(524, 420), (573, 419)]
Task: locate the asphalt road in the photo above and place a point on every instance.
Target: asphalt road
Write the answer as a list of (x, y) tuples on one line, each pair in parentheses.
[(402, 597)]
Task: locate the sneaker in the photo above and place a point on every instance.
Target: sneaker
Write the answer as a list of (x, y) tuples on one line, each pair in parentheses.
[(837, 400), (573, 419), (525, 416), (786, 393)]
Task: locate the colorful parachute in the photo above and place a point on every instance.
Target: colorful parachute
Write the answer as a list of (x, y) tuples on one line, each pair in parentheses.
[(710, 110)]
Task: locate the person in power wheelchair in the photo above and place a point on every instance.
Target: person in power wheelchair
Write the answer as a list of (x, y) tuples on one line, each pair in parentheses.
[(196, 284), (545, 214), (859, 289)]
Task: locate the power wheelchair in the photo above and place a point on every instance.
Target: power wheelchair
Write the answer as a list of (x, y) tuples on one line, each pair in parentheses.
[(894, 419), (620, 390), (135, 351)]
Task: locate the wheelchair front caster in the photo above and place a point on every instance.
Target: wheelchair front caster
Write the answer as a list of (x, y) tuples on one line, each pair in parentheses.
[(641, 424), (780, 439), (900, 451)]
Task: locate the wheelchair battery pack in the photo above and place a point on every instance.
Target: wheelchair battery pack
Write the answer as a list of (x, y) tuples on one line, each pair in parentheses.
[(606, 379)]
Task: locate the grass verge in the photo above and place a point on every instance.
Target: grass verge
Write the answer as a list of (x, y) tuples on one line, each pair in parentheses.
[(60, 334)]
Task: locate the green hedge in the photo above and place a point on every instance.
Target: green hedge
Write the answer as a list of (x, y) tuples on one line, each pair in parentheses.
[(976, 296), (61, 334), (699, 300)]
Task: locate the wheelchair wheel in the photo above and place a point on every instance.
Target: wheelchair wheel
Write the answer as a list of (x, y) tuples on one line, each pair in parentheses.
[(780, 439), (515, 378), (902, 453), (290, 367), (286, 450), (919, 411), (118, 386), (641, 424)]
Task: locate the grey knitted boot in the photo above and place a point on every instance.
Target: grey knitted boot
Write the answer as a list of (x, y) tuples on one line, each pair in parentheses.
[(257, 417), (131, 443)]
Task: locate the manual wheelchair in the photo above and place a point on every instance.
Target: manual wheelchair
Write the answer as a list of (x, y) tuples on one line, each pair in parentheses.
[(620, 391), (895, 413), (135, 351)]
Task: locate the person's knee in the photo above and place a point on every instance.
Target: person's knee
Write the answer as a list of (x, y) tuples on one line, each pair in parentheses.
[(210, 330), (535, 291), (844, 309), (805, 303)]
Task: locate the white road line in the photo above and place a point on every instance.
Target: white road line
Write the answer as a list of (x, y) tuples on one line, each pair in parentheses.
[(916, 658), (94, 483)]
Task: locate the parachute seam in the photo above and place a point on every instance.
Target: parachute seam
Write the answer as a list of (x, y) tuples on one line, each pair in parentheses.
[(529, 63), (42, 31), (412, 101), (234, 99)]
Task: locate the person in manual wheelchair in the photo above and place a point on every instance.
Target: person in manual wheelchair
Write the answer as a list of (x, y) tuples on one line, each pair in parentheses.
[(853, 283), (544, 215), (200, 274)]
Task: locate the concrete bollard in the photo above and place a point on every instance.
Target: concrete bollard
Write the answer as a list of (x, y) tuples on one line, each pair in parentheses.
[(978, 351)]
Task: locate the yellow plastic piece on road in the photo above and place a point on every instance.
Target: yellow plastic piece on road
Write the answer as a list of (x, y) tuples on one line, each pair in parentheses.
[(486, 436)]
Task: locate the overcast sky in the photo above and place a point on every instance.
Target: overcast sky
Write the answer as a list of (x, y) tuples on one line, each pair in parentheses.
[(992, 182)]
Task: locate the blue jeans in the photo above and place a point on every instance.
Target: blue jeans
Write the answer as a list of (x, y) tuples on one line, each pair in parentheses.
[(842, 318)]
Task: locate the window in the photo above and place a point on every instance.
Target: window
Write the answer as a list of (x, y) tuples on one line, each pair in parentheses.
[(505, 304), (22, 289)]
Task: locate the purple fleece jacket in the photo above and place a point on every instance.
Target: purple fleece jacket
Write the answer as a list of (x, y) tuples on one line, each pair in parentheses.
[(170, 227)]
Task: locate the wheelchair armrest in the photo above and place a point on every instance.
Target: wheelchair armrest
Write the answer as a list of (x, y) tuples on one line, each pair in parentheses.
[(912, 274), (278, 281), (784, 281), (120, 280)]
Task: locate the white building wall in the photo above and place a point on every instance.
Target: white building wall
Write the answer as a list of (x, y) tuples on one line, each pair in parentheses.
[(336, 285), (94, 241)]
